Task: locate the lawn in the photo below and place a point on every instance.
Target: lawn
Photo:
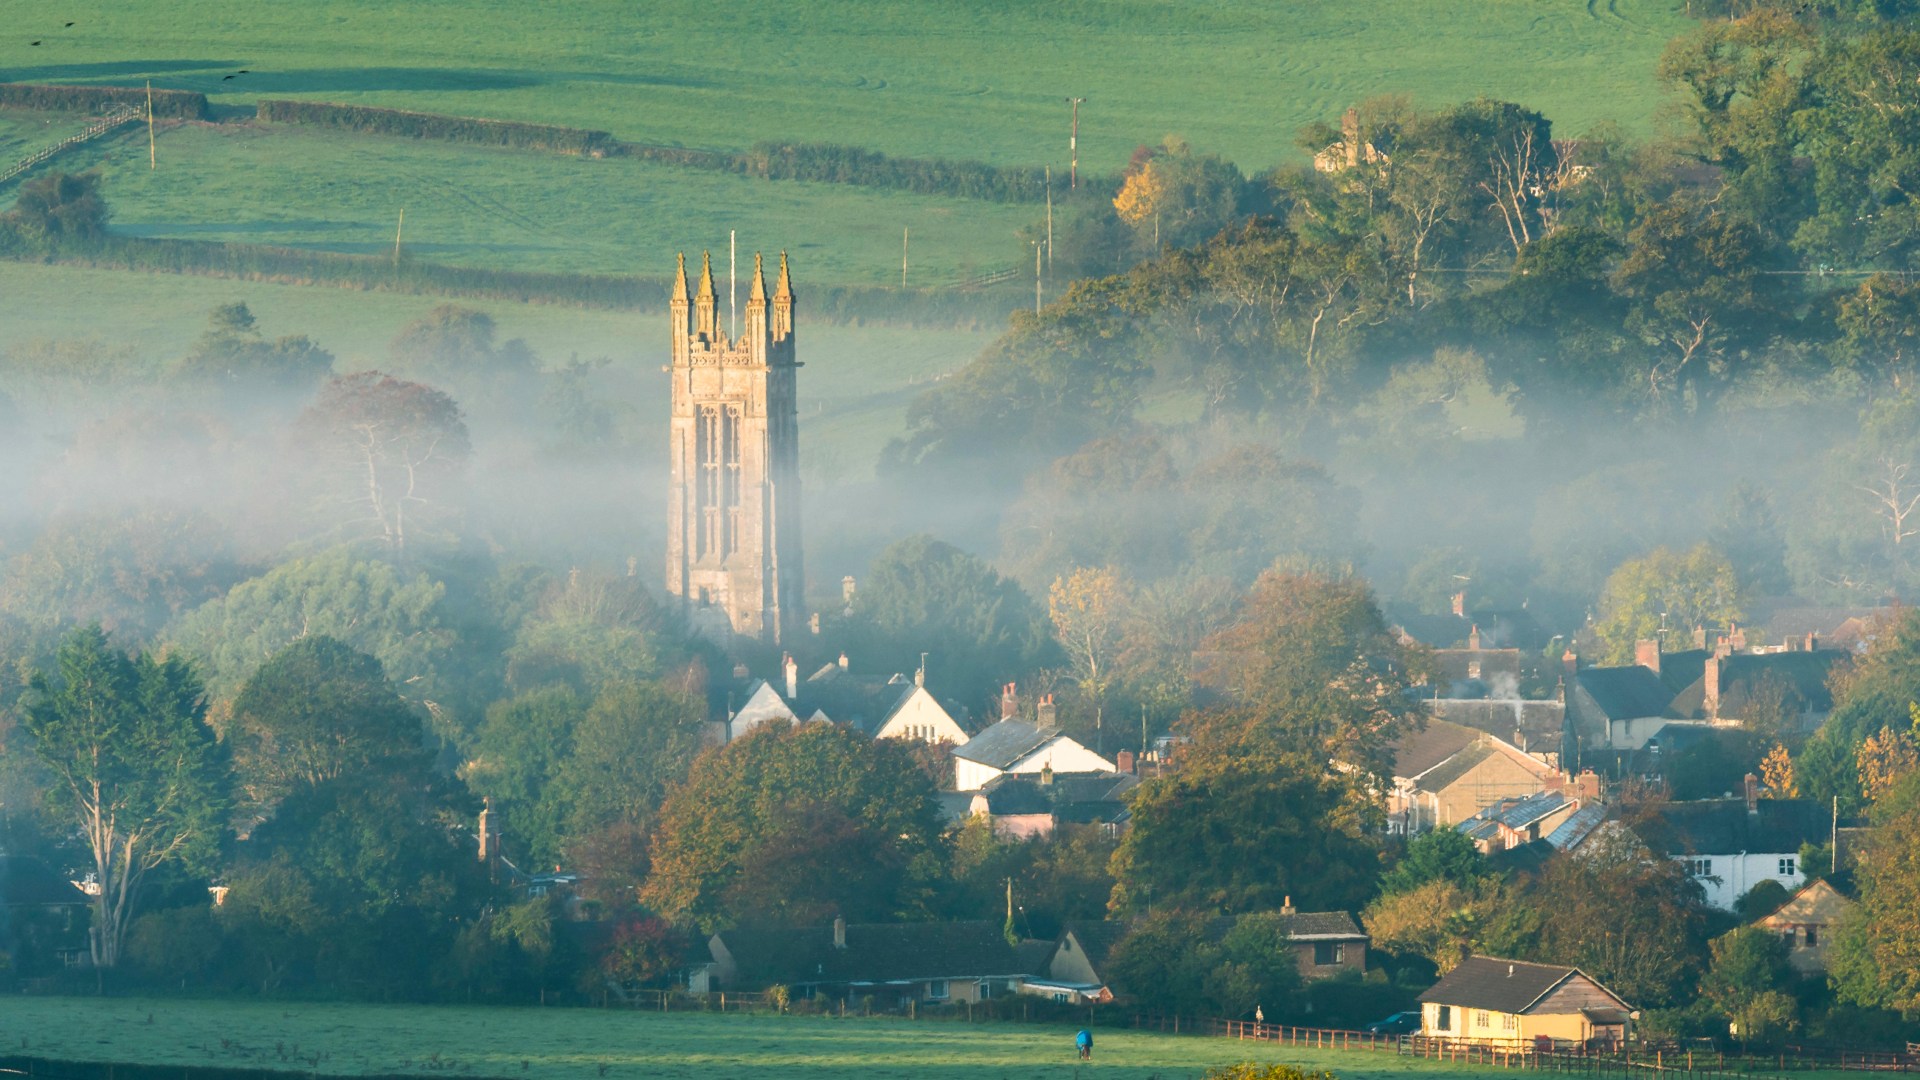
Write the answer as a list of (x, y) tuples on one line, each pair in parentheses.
[(853, 392), (585, 1044), (961, 78), (510, 209)]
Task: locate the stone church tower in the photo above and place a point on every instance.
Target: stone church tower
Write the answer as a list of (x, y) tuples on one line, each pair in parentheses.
[(733, 512)]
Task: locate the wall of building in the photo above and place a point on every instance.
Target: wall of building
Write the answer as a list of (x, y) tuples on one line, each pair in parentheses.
[(1730, 876), (922, 718), (1352, 956)]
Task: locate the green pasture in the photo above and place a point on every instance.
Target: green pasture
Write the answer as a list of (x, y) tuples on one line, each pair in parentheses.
[(511, 209), (853, 391), (960, 78), (586, 1044)]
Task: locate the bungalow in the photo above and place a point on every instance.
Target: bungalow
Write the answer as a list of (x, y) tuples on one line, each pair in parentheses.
[(893, 963), (1514, 1003), (1017, 747), (1807, 923), (1731, 845)]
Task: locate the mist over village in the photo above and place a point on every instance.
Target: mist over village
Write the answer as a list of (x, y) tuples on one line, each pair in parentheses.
[(866, 539)]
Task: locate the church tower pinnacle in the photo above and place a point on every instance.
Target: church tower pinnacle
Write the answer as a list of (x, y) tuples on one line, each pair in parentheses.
[(733, 512)]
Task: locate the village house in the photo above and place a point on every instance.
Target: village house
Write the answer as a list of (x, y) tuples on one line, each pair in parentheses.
[(893, 963), (1807, 922), (45, 915), (1325, 944), (1015, 747), (1514, 1003), (1447, 773), (885, 708), (1023, 806), (1515, 823), (1731, 845)]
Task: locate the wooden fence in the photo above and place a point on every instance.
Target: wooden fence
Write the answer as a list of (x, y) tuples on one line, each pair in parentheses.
[(1634, 1061), (115, 116)]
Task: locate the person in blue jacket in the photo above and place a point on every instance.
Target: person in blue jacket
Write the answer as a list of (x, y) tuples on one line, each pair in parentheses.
[(1084, 1041)]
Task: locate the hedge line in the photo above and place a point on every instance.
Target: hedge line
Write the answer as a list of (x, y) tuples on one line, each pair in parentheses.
[(378, 273), (830, 163), (173, 104), (48, 1069), (368, 120)]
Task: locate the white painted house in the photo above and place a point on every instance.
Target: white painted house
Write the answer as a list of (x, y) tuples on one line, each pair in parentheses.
[(1731, 845), (918, 717), (1017, 747)]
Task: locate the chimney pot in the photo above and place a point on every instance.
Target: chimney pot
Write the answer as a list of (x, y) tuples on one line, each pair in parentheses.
[(793, 677), (1752, 783), (843, 661), (1286, 906), (1460, 604)]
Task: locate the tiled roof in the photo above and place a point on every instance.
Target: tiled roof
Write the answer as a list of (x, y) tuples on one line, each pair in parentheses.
[(1005, 743), (1724, 827), (1088, 796), (1626, 693), (1417, 752), (1508, 986), (876, 952)]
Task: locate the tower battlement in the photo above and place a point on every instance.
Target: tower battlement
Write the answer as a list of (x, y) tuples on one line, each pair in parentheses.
[(733, 514)]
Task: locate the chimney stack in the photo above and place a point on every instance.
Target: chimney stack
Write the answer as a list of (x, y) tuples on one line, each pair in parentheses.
[(1813, 642), (793, 678), (1473, 639), (1460, 604), (1710, 686), (1570, 661), (1753, 794), (1286, 906), (1124, 761), (1043, 713), (1646, 653), (1009, 701), (839, 932), (843, 661)]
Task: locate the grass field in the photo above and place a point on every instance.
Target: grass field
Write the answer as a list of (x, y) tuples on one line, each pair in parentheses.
[(853, 393), (961, 78), (578, 1044), (512, 209)]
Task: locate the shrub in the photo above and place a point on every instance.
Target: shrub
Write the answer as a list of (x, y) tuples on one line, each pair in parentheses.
[(368, 120)]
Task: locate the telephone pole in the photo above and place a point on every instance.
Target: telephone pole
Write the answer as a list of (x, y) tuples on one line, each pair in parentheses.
[(153, 158), (1049, 217), (1073, 144)]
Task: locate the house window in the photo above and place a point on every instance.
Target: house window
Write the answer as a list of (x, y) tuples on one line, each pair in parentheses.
[(937, 990), (1329, 952), (1443, 1020), (1700, 867), (1813, 937), (1509, 1022), (1787, 936), (1483, 1019), (1789, 865)]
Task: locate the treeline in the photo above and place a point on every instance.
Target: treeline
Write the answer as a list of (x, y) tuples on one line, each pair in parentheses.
[(169, 104), (418, 125), (52, 237), (828, 163)]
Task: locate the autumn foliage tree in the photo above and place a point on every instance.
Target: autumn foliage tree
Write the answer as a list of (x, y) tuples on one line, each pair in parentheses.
[(796, 823)]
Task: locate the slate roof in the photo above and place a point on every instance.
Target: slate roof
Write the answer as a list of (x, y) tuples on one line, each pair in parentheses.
[(28, 882), (1724, 827), (1508, 986), (1682, 669), (1006, 742), (1300, 926), (1437, 631), (1626, 693), (876, 953), (1740, 673), (1420, 751), (1527, 858), (1516, 815), (1081, 797)]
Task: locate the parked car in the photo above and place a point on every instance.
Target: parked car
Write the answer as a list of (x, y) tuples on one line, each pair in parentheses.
[(1400, 1023)]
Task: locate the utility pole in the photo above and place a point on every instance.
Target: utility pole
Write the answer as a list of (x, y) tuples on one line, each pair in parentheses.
[(397, 230), (1073, 144), (1036, 277), (1049, 217), (153, 157), (903, 256)]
